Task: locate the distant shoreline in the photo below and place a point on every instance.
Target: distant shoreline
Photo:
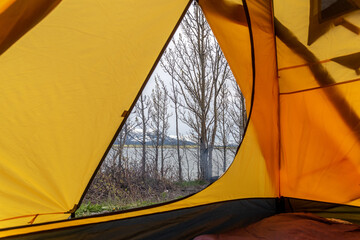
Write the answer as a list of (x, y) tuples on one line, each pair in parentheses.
[(170, 146)]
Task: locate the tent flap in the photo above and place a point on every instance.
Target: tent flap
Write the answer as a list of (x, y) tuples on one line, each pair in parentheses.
[(62, 80)]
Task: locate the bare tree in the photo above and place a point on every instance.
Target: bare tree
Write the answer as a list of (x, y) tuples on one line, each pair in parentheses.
[(142, 118), (238, 114), (224, 123), (175, 99), (220, 73), (197, 64), (127, 128), (159, 122), (164, 117), (155, 112)]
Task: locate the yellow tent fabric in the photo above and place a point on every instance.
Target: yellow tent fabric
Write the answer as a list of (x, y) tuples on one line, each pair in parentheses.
[(17, 17), (319, 101), (64, 87), (258, 149), (66, 83)]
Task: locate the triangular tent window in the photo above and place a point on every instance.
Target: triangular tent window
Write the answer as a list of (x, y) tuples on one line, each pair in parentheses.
[(183, 131)]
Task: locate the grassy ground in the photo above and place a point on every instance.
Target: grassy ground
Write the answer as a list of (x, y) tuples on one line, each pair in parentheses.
[(124, 200)]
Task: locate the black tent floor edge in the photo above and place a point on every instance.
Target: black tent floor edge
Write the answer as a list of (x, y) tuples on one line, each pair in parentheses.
[(177, 224)]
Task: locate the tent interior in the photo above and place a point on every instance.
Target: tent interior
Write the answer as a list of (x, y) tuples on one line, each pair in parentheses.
[(69, 71)]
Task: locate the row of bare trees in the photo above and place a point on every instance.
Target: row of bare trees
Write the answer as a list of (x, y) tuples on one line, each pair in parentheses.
[(203, 95), (196, 97)]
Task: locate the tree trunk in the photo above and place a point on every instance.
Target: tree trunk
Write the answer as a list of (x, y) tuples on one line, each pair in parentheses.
[(143, 157), (224, 158), (178, 142)]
